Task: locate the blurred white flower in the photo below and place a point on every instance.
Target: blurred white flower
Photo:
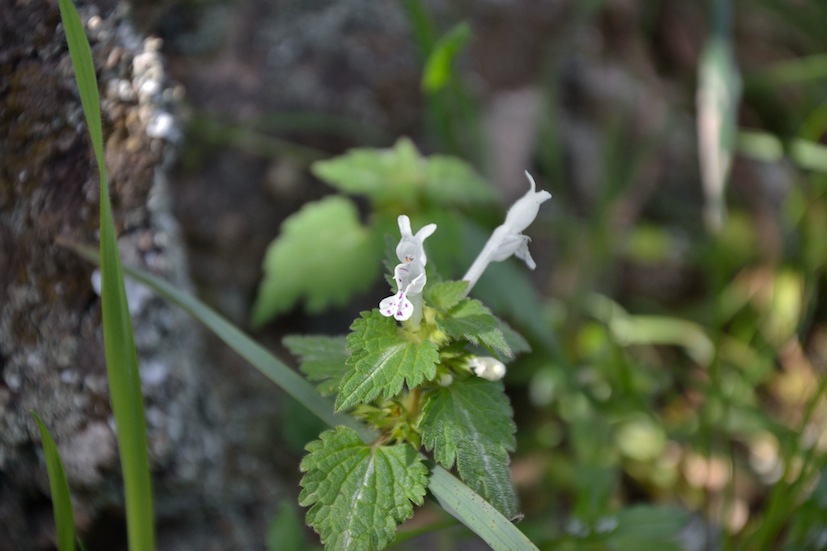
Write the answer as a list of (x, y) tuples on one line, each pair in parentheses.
[(487, 367), (445, 379), (508, 239)]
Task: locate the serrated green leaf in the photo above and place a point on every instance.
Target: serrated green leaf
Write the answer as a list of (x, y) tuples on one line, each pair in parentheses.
[(357, 492), (472, 321), (445, 295), (470, 423), (401, 175), (452, 181), (383, 175), (382, 361), (516, 342), (323, 359), (324, 255)]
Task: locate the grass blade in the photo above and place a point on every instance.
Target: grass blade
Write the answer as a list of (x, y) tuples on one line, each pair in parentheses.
[(476, 513), (119, 345), (84, 68), (258, 356), (59, 487), (719, 93), (438, 70)]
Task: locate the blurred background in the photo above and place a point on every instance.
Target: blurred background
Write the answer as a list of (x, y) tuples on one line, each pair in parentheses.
[(675, 391)]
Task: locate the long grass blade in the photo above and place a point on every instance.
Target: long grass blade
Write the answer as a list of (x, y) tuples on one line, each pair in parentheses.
[(119, 345), (477, 514), (719, 93), (258, 356), (59, 487)]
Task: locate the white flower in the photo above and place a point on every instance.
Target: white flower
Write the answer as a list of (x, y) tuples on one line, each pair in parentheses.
[(508, 239), (524, 211), (410, 247), (409, 274), (487, 367)]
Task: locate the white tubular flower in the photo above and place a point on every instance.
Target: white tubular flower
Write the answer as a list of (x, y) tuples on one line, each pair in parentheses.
[(409, 274), (410, 247), (524, 211), (508, 239), (487, 367)]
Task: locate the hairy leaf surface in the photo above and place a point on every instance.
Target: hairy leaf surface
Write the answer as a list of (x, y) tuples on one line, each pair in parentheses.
[(323, 359), (470, 423), (358, 493), (401, 175), (382, 361), (323, 255), (472, 321)]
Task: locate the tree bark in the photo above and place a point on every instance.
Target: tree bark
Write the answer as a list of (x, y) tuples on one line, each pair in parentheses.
[(51, 353)]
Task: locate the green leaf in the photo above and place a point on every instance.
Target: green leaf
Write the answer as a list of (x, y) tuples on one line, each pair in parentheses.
[(470, 423), (383, 175), (59, 487), (438, 68), (357, 492), (323, 255), (321, 359), (452, 181), (463, 318), (400, 175), (382, 360), (119, 345), (445, 295), (472, 321), (516, 342)]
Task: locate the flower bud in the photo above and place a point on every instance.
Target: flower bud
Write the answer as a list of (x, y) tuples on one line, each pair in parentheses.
[(487, 367)]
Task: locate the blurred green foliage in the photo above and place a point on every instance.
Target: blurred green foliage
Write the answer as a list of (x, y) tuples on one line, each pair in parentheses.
[(397, 180)]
